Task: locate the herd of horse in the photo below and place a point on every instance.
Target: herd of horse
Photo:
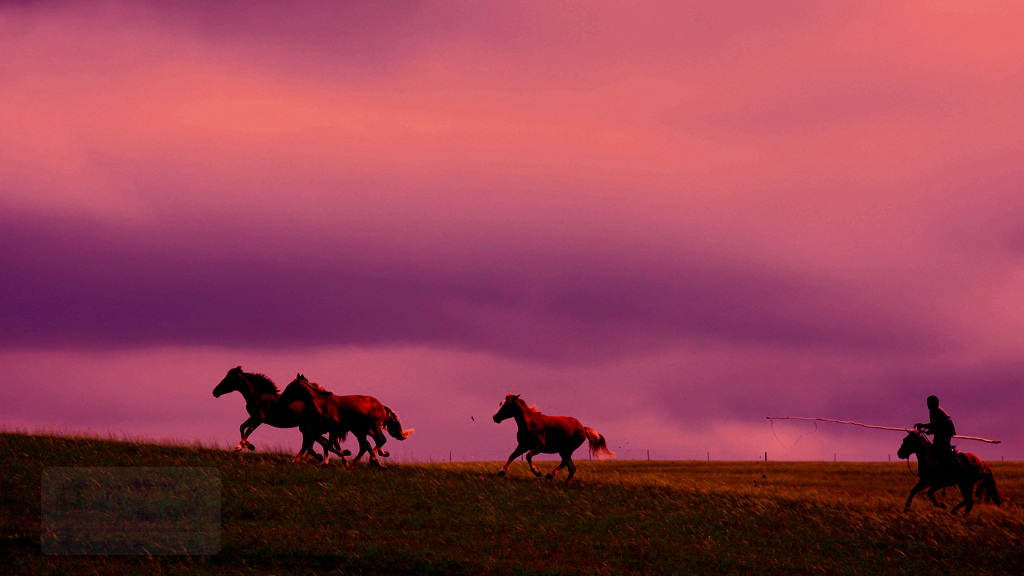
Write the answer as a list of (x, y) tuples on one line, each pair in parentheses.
[(326, 419)]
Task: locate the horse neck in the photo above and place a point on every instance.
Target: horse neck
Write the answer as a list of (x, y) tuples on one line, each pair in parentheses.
[(249, 391), (922, 450), (525, 416)]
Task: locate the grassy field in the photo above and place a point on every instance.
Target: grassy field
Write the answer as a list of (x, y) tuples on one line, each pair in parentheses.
[(620, 518)]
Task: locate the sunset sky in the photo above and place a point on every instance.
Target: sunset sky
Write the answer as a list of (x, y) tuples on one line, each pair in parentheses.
[(669, 220)]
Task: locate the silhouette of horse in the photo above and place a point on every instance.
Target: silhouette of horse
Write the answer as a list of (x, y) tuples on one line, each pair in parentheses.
[(973, 476), (263, 403), (325, 412), (540, 434)]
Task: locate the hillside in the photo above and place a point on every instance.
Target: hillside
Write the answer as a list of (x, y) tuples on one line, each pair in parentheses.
[(622, 517)]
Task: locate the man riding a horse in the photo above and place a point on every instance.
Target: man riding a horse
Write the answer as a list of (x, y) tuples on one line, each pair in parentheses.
[(940, 426)]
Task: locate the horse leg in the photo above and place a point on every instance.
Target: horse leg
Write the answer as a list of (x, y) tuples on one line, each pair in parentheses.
[(568, 464), (328, 446), (373, 452), (968, 501), (921, 485), (379, 439), (931, 496), (519, 451), (323, 444), (247, 428), (572, 470), (307, 447), (333, 445), (364, 447), (558, 468), (529, 460)]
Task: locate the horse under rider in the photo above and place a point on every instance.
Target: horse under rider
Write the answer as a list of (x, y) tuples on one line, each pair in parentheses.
[(940, 426)]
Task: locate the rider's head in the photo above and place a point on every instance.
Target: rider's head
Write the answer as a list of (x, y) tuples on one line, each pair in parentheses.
[(933, 402)]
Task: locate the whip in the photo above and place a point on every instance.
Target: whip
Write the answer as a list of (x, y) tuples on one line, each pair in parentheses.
[(862, 425)]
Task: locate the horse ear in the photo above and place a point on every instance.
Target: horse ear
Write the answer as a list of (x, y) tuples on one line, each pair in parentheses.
[(517, 396), (239, 368)]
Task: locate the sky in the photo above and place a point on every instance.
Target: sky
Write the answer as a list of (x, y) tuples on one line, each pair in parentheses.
[(669, 220)]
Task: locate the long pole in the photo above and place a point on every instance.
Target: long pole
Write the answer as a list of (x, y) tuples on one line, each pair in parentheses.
[(862, 425)]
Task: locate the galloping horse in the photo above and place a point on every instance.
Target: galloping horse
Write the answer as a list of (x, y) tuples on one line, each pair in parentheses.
[(540, 434), (263, 403), (323, 411), (973, 472)]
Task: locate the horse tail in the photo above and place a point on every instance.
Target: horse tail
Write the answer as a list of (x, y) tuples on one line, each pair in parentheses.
[(394, 426), (987, 490), (598, 446)]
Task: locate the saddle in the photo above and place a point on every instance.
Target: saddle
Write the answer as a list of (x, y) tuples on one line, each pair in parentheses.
[(946, 461)]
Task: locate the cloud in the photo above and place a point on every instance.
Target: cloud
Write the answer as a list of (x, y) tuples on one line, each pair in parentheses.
[(84, 283), (730, 209)]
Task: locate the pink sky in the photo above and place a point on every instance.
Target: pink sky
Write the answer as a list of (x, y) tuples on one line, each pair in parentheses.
[(668, 220)]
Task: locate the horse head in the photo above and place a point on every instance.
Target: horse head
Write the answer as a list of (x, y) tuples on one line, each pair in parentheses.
[(914, 443), (295, 390), (509, 408), (230, 383)]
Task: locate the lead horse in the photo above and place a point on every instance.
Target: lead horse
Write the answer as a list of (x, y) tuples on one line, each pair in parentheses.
[(325, 412), (540, 434), (973, 476), (263, 403)]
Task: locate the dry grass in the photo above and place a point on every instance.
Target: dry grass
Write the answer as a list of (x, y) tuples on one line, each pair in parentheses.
[(621, 517)]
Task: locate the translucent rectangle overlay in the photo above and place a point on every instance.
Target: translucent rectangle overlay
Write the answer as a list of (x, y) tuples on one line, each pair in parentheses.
[(130, 511)]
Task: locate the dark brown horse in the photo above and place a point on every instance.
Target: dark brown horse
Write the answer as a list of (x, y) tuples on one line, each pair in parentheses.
[(324, 412), (972, 476), (540, 434), (263, 403)]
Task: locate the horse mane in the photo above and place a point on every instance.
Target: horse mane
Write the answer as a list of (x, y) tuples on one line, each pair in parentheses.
[(262, 383), (924, 439), (314, 386), (320, 389), (527, 407)]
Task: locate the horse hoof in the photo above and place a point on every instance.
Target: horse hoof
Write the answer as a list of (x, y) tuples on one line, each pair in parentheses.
[(501, 472), (942, 505), (384, 453), (251, 447), (548, 476)]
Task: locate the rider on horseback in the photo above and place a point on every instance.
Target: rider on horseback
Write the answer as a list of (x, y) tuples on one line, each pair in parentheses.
[(940, 426)]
